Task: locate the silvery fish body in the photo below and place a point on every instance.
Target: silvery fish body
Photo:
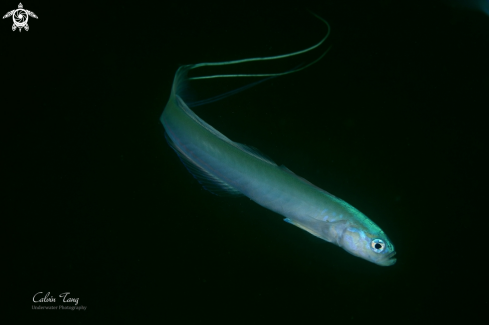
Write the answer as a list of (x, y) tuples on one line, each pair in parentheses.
[(226, 167)]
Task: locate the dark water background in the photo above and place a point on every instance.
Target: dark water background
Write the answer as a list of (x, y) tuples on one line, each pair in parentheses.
[(393, 120)]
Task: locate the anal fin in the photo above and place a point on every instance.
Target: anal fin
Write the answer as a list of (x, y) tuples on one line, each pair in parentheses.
[(209, 181)]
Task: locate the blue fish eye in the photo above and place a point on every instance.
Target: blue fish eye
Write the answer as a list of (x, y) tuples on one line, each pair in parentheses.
[(378, 245)]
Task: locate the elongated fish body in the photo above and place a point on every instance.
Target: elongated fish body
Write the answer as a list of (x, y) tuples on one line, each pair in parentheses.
[(226, 167)]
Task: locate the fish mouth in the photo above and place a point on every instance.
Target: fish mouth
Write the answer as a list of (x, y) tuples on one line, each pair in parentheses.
[(390, 259), (387, 260)]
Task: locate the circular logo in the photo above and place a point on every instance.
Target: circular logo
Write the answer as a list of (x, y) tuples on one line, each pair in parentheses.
[(20, 17)]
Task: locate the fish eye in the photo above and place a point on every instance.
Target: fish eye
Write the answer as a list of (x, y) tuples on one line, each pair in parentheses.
[(378, 245)]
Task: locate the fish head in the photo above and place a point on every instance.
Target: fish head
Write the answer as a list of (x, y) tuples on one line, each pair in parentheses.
[(373, 246)]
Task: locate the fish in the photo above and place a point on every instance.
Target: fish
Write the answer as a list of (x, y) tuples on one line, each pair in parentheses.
[(227, 168), (477, 5)]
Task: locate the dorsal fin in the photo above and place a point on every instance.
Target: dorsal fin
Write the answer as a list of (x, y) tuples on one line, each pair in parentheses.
[(248, 149)]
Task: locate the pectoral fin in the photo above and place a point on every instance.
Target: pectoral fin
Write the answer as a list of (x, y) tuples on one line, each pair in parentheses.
[(328, 231), (310, 226)]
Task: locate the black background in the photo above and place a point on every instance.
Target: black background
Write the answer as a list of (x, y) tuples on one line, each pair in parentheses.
[(392, 120)]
